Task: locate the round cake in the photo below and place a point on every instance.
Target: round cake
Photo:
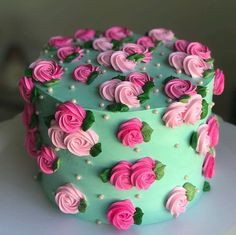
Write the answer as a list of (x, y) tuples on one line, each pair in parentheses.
[(120, 124)]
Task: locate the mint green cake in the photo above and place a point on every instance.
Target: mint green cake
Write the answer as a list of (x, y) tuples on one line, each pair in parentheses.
[(120, 124)]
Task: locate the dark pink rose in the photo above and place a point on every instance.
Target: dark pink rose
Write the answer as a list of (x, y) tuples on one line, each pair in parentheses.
[(85, 34), (146, 42), (60, 41), (208, 168), (219, 82), (70, 116), (138, 78), (27, 114), (181, 45), (30, 142), (26, 86), (83, 71), (120, 176), (117, 33), (129, 132), (196, 48), (64, 52), (120, 214), (213, 131)]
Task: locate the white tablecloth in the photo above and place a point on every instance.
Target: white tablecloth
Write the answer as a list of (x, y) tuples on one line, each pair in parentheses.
[(25, 211)]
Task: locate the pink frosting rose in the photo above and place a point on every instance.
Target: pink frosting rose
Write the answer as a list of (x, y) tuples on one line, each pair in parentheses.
[(30, 143), (161, 34), (60, 41), (127, 93), (70, 116), (219, 82), (129, 132), (208, 168), (194, 109), (120, 176), (203, 142), (102, 44), (107, 89), (176, 59), (46, 71), (196, 48), (68, 198), (45, 159), (177, 87), (80, 142), (85, 34), (120, 214), (104, 58), (83, 71), (63, 52), (143, 176), (146, 41), (120, 62), (138, 78), (181, 45), (213, 131), (195, 66), (26, 86), (27, 114), (174, 114), (177, 201), (117, 33), (56, 135)]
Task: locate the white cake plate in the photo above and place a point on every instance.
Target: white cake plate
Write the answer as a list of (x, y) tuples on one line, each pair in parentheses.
[(24, 210)]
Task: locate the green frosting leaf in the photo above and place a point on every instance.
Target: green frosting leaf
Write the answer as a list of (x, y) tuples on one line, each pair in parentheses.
[(209, 73), (127, 39), (48, 119), (193, 140), (116, 44), (206, 187), (34, 95), (120, 77), (201, 90), (184, 98), (50, 48), (136, 57), (29, 72), (159, 170), (88, 45), (148, 86), (34, 121), (146, 132), (151, 49), (138, 215), (92, 77), (51, 83), (105, 175), (143, 97), (82, 206), (88, 121), (56, 164), (39, 140), (168, 79), (96, 150), (190, 191), (117, 107), (71, 57), (204, 109), (210, 61)]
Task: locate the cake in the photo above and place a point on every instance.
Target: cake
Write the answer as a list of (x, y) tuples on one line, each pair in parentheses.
[(121, 125)]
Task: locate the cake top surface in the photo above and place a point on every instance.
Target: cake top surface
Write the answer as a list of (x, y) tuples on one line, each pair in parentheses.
[(119, 70)]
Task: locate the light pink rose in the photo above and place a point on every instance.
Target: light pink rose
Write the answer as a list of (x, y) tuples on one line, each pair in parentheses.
[(45, 159), (27, 114), (68, 198), (103, 58), (181, 45), (120, 176), (60, 41), (146, 41), (213, 131), (177, 201), (46, 71), (177, 87), (174, 116), (64, 52), (83, 71), (30, 142), (219, 82), (196, 48), (143, 176), (80, 142), (107, 89), (102, 44), (195, 66), (70, 116), (203, 142), (117, 33), (26, 86), (138, 78), (129, 132), (85, 34), (176, 59), (120, 214), (161, 34), (208, 168)]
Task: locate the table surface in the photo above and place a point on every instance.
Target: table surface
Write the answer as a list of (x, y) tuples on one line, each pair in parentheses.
[(24, 209)]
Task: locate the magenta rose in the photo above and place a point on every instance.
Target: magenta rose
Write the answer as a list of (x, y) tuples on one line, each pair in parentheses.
[(27, 114), (102, 44), (85, 34), (120, 214), (120, 176), (213, 131), (129, 132), (117, 33), (196, 48), (83, 71), (203, 142), (103, 58), (64, 52), (146, 41), (30, 142), (175, 88), (219, 82), (161, 34), (176, 59), (181, 45), (138, 78), (46, 71), (107, 89), (70, 116), (208, 168), (26, 87), (60, 41)]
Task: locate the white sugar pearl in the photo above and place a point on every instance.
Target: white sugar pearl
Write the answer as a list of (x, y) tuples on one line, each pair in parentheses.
[(212, 104), (37, 112), (57, 149), (74, 101), (60, 62), (46, 51), (186, 177), (138, 196), (102, 105), (137, 150), (101, 196), (98, 221), (87, 51), (65, 68), (200, 82), (106, 117), (169, 100), (88, 162), (155, 111), (72, 87), (156, 90), (160, 75), (158, 65), (179, 71), (78, 177), (147, 107), (89, 61), (143, 68), (51, 56), (57, 104), (50, 90), (104, 71), (197, 190), (41, 97)]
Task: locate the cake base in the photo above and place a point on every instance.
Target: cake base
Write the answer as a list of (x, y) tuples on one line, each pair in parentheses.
[(26, 210)]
